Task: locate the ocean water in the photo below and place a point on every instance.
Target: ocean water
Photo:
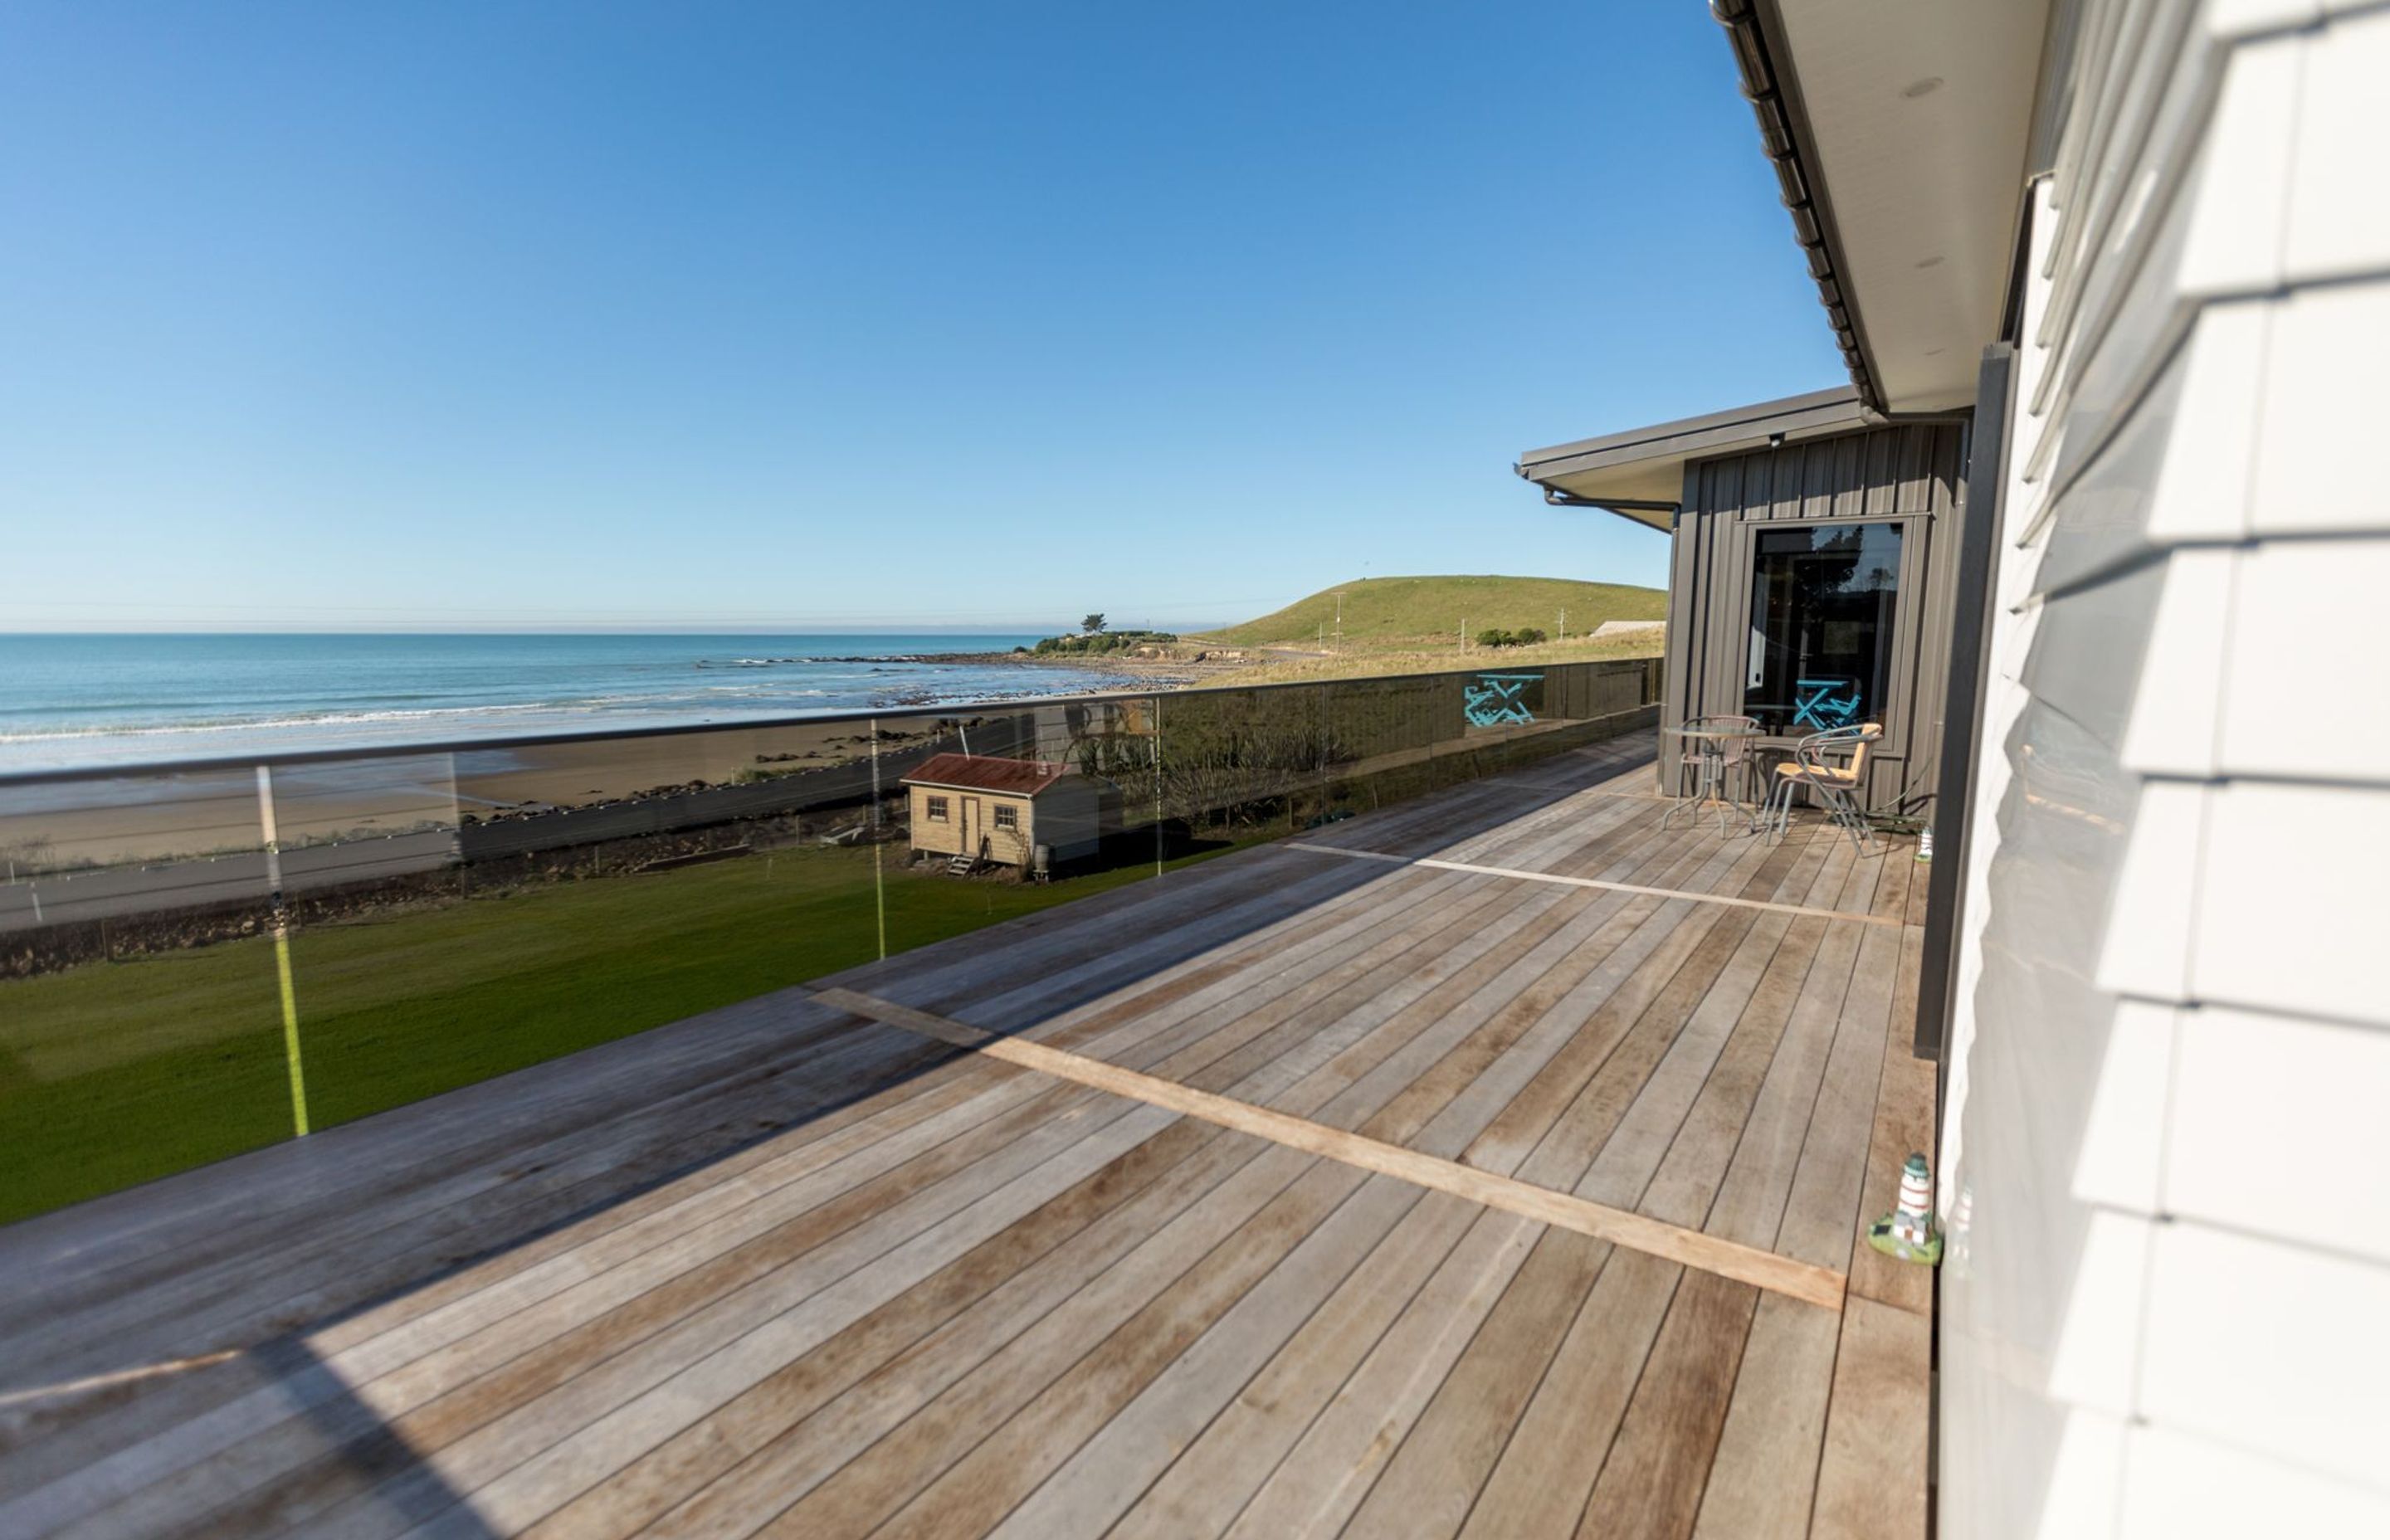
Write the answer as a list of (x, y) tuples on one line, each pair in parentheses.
[(74, 700)]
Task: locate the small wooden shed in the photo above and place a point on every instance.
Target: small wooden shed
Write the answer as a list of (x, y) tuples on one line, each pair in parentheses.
[(1000, 810)]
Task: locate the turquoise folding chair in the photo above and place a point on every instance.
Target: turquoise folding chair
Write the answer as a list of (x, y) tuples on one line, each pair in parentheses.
[(1825, 704)]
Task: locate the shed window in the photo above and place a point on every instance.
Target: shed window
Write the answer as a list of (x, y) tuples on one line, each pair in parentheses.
[(937, 810), (1822, 614), (1007, 817)]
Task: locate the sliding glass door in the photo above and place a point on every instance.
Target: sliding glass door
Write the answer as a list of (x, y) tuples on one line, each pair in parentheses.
[(1822, 601)]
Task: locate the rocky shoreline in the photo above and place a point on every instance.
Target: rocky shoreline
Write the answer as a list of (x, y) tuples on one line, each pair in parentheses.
[(1144, 673), (1181, 673)]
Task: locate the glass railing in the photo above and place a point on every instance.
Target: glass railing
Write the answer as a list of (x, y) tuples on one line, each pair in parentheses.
[(198, 959)]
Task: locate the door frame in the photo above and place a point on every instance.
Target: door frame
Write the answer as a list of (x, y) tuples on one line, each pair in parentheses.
[(1900, 682), (1973, 593)]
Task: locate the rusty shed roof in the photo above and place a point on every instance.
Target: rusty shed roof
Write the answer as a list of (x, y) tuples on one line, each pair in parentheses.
[(1021, 778)]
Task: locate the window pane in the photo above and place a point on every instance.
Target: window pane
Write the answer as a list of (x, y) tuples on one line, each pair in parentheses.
[(1821, 608)]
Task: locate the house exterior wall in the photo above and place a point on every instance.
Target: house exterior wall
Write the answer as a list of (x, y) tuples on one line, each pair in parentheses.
[(1912, 473), (1008, 846), (938, 837), (2168, 1264), (1071, 817)]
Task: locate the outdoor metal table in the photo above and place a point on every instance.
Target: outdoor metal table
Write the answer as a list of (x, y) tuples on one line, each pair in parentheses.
[(1708, 745)]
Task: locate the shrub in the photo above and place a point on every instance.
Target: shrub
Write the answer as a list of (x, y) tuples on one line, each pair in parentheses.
[(1101, 642)]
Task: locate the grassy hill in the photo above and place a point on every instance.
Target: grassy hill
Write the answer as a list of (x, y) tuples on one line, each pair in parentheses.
[(1407, 613)]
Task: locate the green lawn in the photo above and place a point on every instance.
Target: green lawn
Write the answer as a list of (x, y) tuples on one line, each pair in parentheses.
[(114, 1074)]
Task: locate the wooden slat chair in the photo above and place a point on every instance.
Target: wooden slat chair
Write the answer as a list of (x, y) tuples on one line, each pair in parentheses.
[(1814, 764)]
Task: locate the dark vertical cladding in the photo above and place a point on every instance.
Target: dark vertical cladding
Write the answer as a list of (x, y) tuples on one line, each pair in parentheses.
[(1968, 661), (1684, 646), (1909, 474)]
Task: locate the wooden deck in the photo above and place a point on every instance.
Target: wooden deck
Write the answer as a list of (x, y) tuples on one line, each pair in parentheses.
[(1494, 1165)]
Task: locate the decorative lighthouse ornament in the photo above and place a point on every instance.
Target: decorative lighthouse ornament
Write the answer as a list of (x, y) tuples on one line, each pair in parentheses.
[(1907, 1231)]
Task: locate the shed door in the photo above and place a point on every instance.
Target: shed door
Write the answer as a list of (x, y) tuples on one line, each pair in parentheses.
[(972, 829)]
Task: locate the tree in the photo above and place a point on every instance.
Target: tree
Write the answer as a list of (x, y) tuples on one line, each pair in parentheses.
[(1093, 624)]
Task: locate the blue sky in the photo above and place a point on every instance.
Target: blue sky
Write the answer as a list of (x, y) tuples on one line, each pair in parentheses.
[(589, 315)]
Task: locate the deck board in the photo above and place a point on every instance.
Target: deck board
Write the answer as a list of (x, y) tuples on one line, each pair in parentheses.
[(1549, 1467), (1203, 1491), (1871, 1475), (1430, 1485), (781, 1270)]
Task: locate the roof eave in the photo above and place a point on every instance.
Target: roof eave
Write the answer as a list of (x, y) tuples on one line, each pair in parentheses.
[(1827, 410), (1638, 474), (1785, 139)]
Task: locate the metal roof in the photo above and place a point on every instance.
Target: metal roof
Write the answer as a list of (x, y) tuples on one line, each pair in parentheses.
[(1899, 136), (1019, 777), (1639, 473), (1782, 134)]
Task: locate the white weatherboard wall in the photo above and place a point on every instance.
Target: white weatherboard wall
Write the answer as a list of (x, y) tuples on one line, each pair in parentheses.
[(2166, 1164)]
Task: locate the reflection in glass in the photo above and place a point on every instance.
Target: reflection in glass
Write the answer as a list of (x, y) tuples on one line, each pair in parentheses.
[(142, 1021), (452, 917), (1821, 616), (1233, 762)]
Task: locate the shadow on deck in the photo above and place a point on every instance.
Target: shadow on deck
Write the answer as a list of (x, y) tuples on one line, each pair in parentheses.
[(789, 1269)]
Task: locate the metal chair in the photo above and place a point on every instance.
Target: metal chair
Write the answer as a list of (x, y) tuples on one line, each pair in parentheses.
[(1712, 760), (1835, 785), (1734, 754)]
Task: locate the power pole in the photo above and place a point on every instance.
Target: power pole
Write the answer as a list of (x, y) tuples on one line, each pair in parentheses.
[(1464, 633), (1564, 625), (1340, 617)]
